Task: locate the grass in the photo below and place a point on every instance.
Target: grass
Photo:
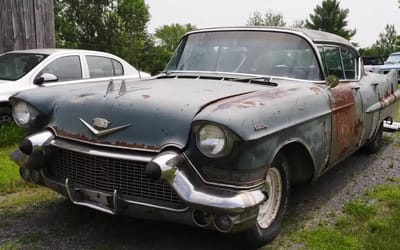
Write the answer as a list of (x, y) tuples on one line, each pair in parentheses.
[(10, 135), (10, 181), (368, 223)]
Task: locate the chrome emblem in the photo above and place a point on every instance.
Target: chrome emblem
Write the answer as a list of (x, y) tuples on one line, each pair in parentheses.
[(102, 123)]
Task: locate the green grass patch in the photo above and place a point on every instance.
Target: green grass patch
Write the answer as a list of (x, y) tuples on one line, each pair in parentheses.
[(10, 180), (21, 201), (11, 246), (371, 222), (10, 134)]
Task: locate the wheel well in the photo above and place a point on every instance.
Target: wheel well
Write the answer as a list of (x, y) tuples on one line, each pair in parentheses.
[(5, 108), (301, 166)]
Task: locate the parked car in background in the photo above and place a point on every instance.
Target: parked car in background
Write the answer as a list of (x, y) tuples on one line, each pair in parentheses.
[(391, 63), (373, 60), (217, 140), (27, 69)]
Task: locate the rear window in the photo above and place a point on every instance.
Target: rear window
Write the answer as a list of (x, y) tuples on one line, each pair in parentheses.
[(103, 67)]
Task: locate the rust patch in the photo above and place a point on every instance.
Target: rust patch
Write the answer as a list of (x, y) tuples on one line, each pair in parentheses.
[(346, 126), (134, 145), (254, 100), (316, 90), (145, 96)]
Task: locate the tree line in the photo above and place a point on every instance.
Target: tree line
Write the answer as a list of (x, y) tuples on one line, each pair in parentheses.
[(120, 27)]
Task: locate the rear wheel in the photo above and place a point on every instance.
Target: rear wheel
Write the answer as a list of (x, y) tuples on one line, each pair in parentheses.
[(271, 212)]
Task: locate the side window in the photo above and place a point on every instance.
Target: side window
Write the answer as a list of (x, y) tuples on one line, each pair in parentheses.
[(103, 67), (118, 69), (65, 68), (350, 64), (332, 62)]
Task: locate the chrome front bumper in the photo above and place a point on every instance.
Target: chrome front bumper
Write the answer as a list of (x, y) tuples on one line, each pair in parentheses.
[(205, 203)]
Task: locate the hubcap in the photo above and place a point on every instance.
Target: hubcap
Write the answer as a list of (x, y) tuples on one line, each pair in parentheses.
[(268, 210)]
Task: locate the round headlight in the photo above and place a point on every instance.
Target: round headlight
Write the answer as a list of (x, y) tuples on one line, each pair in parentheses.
[(211, 140), (22, 113)]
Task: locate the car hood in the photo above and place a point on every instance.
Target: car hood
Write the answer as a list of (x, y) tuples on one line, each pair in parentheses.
[(153, 113), (385, 66), (8, 88)]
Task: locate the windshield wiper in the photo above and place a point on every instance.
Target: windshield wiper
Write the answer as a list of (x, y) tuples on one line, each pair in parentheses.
[(266, 80)]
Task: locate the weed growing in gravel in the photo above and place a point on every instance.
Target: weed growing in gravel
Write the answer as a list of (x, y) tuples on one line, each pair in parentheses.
[(368, 223)]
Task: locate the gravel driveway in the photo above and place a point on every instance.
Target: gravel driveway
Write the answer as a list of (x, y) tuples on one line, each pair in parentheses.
[(56, 224)]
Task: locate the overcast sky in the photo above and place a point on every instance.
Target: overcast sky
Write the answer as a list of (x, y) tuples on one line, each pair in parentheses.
[(369, 17)]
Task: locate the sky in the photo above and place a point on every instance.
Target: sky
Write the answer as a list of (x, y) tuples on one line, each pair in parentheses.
[(369, 17)]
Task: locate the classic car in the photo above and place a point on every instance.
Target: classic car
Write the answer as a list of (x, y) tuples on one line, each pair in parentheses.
[(373, 60), (391, 63), (217, 139), (27, 69)]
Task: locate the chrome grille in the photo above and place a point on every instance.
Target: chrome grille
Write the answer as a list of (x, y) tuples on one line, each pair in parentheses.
[(109, 174)]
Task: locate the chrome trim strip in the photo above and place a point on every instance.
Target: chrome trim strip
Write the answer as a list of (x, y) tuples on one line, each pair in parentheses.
[(218, 184), (155, 206), (95, 152)]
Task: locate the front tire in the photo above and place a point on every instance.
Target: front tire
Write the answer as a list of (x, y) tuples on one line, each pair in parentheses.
[(272, 211)]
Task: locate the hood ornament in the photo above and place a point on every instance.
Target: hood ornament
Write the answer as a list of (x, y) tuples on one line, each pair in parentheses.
[(102, 123)]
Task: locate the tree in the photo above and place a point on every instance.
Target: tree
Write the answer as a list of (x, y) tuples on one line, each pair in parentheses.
[(166, 39), (299, 24), (268, 19), (116, 26), (331, 18), (169, 35), (388, 42)]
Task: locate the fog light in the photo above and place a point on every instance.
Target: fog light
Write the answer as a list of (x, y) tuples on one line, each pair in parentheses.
[(201, 218), (223, 223)]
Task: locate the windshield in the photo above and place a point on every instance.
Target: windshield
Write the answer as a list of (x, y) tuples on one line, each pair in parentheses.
[(15, 65), (393, 58), (251, 52)]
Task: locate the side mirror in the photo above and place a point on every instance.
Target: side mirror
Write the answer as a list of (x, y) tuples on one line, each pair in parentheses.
[(45, 77), (332, 81)]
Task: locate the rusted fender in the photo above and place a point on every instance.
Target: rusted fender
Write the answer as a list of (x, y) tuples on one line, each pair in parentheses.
[(384, 102)]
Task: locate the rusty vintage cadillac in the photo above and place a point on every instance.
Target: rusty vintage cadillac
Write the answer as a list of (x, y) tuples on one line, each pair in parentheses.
[(215, 141)]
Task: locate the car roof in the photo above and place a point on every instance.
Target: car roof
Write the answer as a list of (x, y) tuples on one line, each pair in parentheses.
[(395, 53), (314, 35), (51, 51)]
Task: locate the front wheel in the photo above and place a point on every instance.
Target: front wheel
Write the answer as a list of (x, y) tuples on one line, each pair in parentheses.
[(271, 211)]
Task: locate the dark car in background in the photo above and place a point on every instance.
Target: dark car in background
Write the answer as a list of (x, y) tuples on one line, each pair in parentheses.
[(215, 141), (373, 60)]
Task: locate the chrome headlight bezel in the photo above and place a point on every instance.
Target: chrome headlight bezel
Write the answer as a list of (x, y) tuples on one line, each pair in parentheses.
[(213, 140), (23, 113)]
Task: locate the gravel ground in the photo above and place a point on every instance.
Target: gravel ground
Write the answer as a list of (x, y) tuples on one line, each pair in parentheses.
[(59, 225)]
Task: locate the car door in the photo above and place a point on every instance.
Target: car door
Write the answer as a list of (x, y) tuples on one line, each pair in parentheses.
[(67, 69), (346, 100)]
